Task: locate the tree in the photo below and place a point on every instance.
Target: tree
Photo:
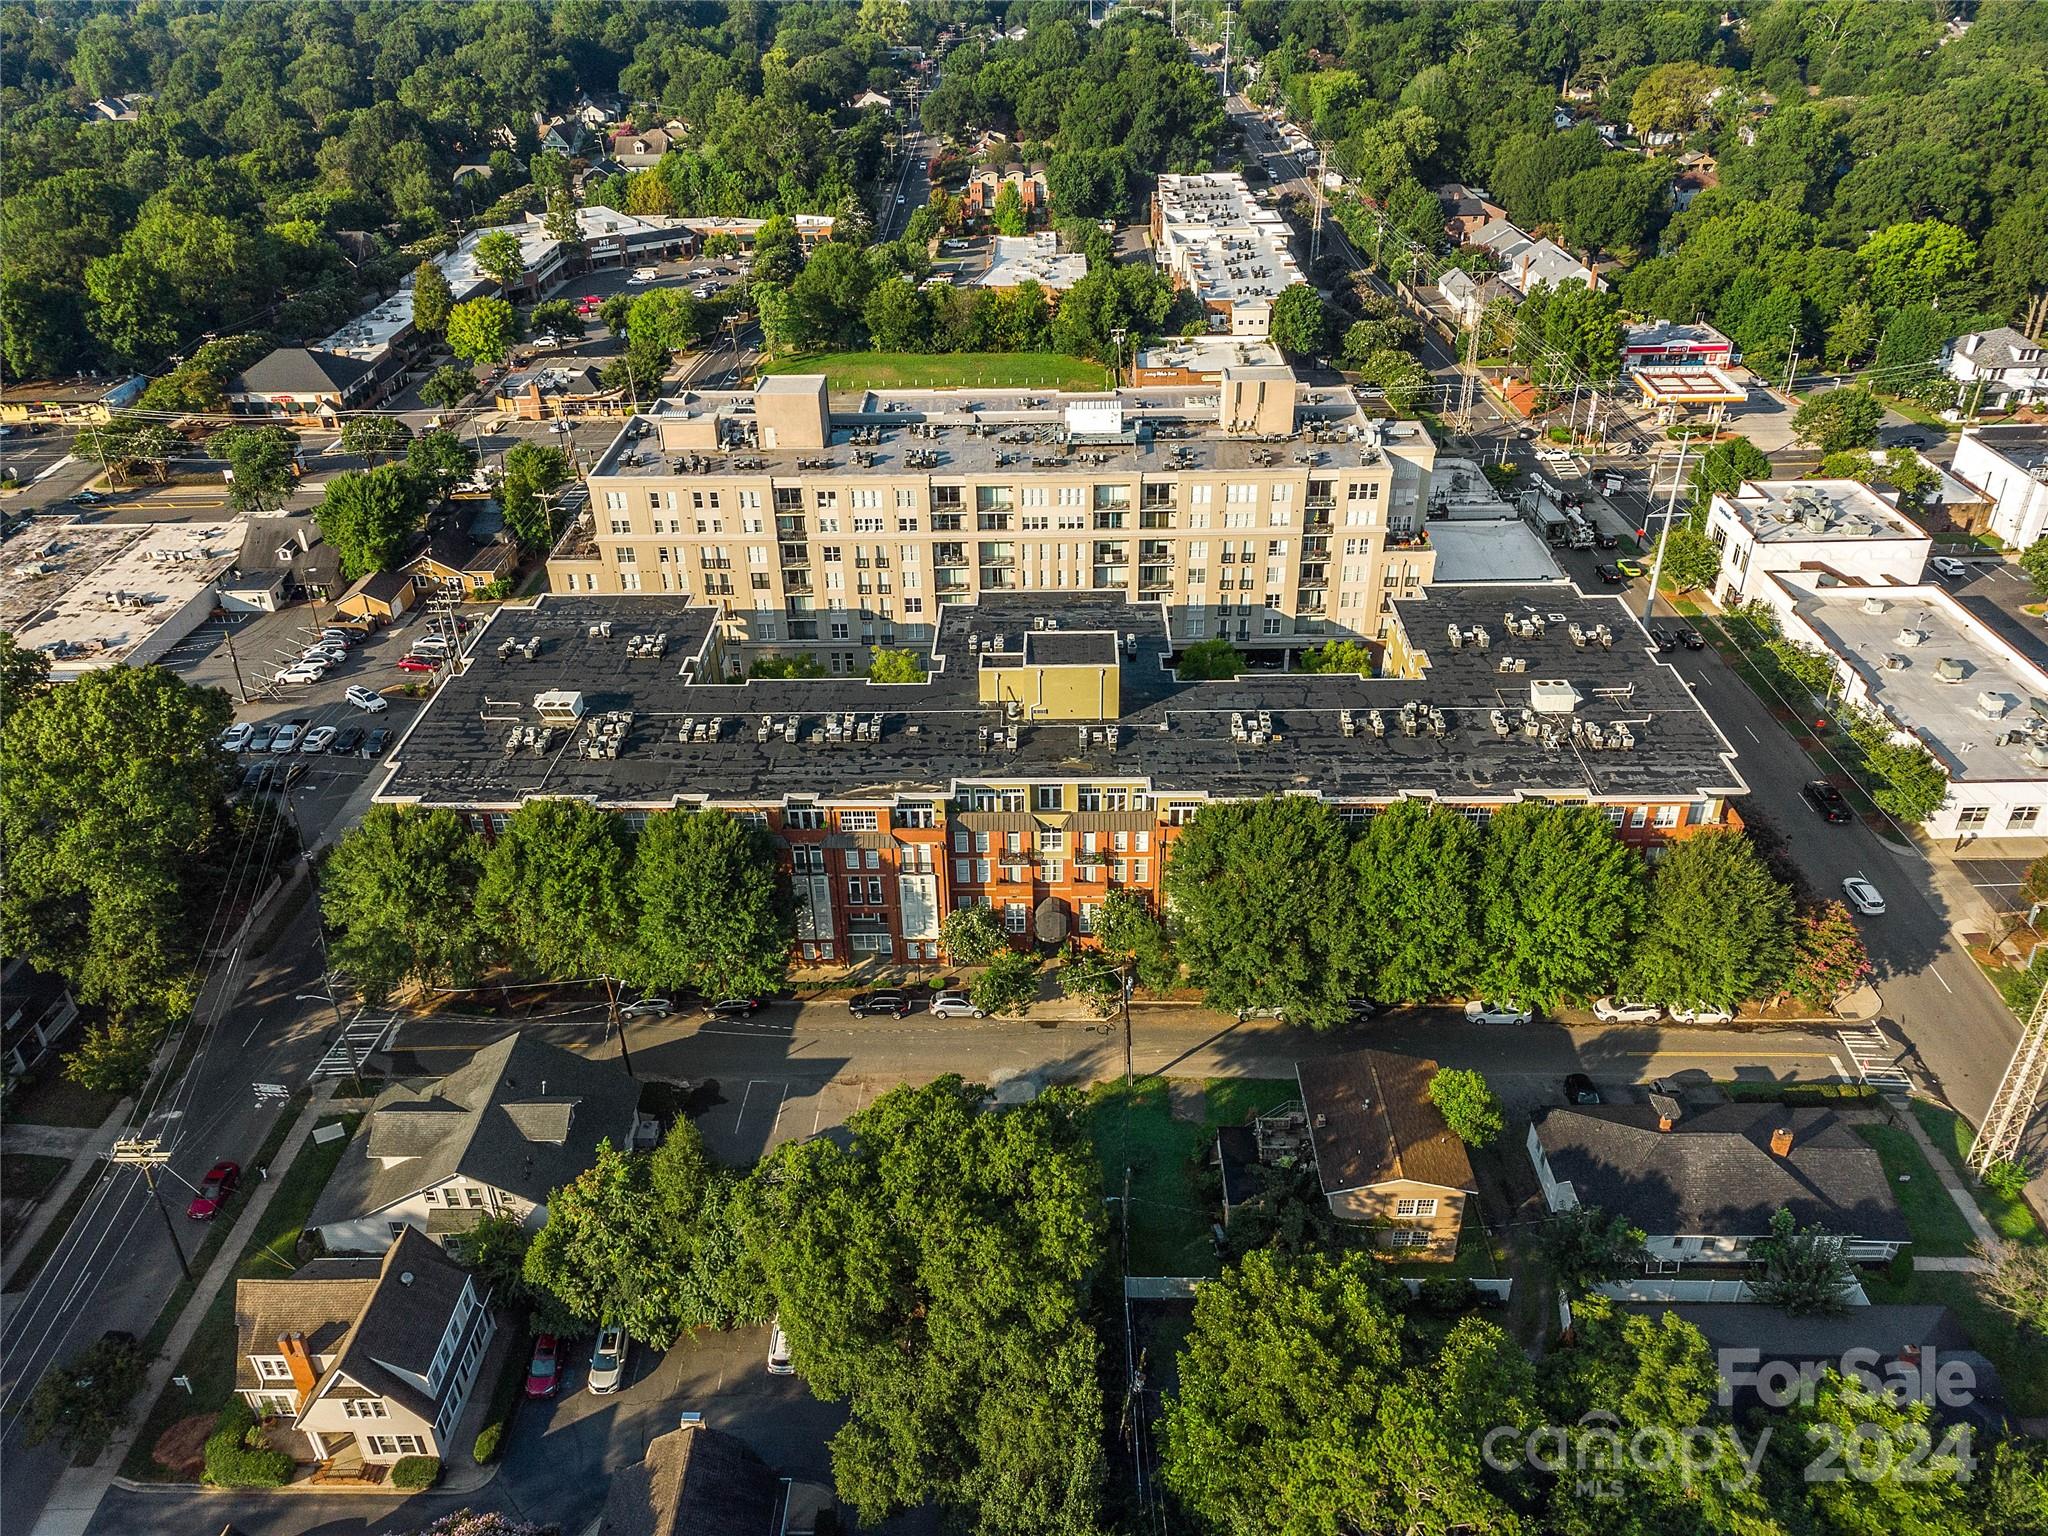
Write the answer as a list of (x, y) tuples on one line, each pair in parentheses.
[(1828, 957), (263, 461), (973, 935), (1215, 659), (1674, 98), (113, 1058), (1008, 214), (448, 386), (554, 317), (2034, 562), (1127, 932), (398, 895), (1366, 337), (84, 1402), (1294, 1395), (1351, 657), (1719, 929), (1585, 1247), (1300, 325), (1415, 873), (1468, 1106), (886, 666), (1560, 898), (532, 471), (555, 890), (1252, 888), (370, 517), (1804, 1271), (112, 802), (560, 223), (1691, 560), (23, 674), (1894, 1482), (432, 299), (2015, 1279), (1403, 382), (498, 256), (786, 664), (712, 913), (495, 1250), (932, 1275), (1721, 470), (1008, 985), (1927, 262), (482, 330), (1836, 419), (1915, 784), (439, 460), (374, 434)]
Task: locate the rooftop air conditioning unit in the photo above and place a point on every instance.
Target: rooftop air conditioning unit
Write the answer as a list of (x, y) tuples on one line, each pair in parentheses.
[(1993, 705), (1910, 637), (2037, 754), (1950, 669), (1875, 606), (1553, 696), (559, 705)]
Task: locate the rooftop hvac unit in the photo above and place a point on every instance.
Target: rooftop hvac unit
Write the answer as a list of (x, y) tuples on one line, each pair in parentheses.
[(1875, 605), (1893, 662), (1950, 669), (1910, 637), (1553, 696), (2037, 754), (559, 705), (1993, 705)]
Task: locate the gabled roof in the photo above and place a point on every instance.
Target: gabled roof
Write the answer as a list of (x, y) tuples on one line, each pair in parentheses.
[(1371, 1122), (693, 1479), (300, 371), (523, 1116), (1714, 1175), (400, 1326)]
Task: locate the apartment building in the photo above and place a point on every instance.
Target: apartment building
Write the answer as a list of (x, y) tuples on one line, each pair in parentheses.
[(1216, 239), (1254, 508), (1052, 753)]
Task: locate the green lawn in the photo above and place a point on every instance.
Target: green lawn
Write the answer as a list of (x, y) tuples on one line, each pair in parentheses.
[(53, 1234), (1952, 1136), (944, 370), (1938, 1228), (28, 1176), (55, 1100), (1171, 1207), (209, 1360)]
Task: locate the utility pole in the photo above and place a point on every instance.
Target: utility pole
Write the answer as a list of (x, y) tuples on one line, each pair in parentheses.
[(1792, 362), (1315, 239), (615, 1024), (1670, 510), (1128, 976), (1226, 51), (240, 687), (150, 1156)]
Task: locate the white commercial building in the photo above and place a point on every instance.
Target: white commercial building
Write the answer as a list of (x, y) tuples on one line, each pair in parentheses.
[(92, 595), (1021, 259), (1217, 240), (1840, 531), (2010, 466)]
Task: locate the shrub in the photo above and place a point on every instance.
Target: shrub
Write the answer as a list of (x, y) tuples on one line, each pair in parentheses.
[(488, 1441), (232, 1461), (416, 1473), (1447, 1295), (2006, 1179)]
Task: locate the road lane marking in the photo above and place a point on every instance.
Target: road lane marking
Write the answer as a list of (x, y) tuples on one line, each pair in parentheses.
[(1951, 991), (1752, 735)]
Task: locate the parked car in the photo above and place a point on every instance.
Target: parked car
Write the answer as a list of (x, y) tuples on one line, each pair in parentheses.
[(287, 738), (329, 656), (1611, 574), (429, 645), (1705, 1013), (1663, 638), (1827, 800), (737, 1007), (1630, 568), (1606, 540), (544, 1375), (955, 1005), (88, 498), (1863, 896), (236, 736), (417, 664), (608, 1359), (367, 700), (1271, 1011), (220, 1183), (1479, 1012), (1947, 565), (1617, 1010), (1579, 1089), (379, 740), (647, 1008), (318, 740), (1362, 1008), (262, 736), (301, 672), (1690, 639), (346, 740), (643, 275), (340, 637), (865, 1004), (779, 1363)]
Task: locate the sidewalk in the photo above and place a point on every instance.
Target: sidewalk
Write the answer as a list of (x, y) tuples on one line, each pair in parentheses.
[(84, 1148), (78, 1493), (1980, 1228)]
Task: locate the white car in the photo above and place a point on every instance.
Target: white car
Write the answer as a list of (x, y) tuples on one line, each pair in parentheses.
[(236, 736), (287, 737), (430, 645), (608, 1359), (326, 655), (340, 637), (318, 740), (1616, 1010), (643, 275), (1478, 1012), (364, 699), (1706, 1013), (955, 1005), (302, 672), (1863, 896), (1953, 569), (779, 1363)]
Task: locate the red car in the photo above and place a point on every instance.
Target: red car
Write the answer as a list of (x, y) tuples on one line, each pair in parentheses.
[(416, 664), (214, 1189), (543, 1377)]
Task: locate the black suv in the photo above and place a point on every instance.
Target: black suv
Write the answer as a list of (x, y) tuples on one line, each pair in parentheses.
[(865, 1004), (1826, 799), (1579, 1089), (736, 1007), (1611, 574), (1690, 639), (1666, 640)]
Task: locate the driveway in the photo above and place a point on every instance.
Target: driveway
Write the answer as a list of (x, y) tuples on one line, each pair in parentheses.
[(1997, 593)]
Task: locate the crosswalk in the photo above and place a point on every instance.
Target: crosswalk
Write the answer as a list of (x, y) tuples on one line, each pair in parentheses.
[(360, 1038), (1875, 1056)]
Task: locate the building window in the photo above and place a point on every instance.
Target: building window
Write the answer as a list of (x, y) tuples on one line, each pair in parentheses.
[(1667, 817), (1405, 1237), (272, 1368), (1973, 818), (857, 821), (1405, 1210), (1016, 916), (2022, 818), (1639, 815), (1046, 797), (366, 1408)]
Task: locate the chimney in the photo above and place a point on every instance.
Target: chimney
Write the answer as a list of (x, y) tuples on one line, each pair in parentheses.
[(293, 1347), (1667, 1123), (1592, 277), (1781, 1141)]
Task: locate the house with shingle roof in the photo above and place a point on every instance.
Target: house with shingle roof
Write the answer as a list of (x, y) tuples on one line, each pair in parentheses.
[(1703, 1184), (495, 1138), (367, 1358), (2011, 369), (1383, 1152), (302, 384)]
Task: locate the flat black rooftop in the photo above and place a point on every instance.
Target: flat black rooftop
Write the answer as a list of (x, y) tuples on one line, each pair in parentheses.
[(476, 745)]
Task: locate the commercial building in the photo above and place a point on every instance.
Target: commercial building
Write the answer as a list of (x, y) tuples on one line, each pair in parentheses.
[(1052, 753), (1225, 246), (85, 402), (1201, 359), (1020, 259), (1667, 344), (1839, 530), (1263, 511), (91, 595), (2010, 465), (1679, 392)]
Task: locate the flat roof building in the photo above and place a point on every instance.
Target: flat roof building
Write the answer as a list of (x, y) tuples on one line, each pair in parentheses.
[(1841, 530), (1020, 259), (1232, 251), (2011, 465)]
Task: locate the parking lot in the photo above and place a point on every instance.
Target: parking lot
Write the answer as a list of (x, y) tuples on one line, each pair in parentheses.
[(761, 1113), (1998, 593)]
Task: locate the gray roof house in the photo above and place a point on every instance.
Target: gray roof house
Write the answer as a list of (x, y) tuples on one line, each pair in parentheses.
[(1703, 1185), (695, 1478), (494, 1138), (2012, 369)]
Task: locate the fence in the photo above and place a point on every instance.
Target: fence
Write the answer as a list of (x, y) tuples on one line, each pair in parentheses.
[(1671, 1289)]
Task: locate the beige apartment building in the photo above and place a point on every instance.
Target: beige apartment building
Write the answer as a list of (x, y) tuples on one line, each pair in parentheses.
[(1254, 509)]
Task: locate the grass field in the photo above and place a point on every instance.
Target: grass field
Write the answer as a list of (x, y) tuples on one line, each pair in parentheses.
[(1951, 1134), (55, 1100), (1938, 1228), (942, 370)]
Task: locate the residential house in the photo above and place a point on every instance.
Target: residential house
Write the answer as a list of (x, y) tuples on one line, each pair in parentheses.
[(871, 98), (292, 544), (1525, 262), (564, 135), (2011, 465), (1467, 210), (521, 1119), (699, 1479), (986, 185), (118, 109), (553, 393), (298, 384), (36, 1011), (638, 148), (457, 563), (473, 171), (597, 110), (1697, 171), (369, 1360), (1705, 1184), (2006, 369), (1466, 296), (1383, 1152), (380, 596)]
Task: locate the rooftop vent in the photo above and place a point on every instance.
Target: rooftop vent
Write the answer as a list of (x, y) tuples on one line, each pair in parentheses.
[(1951, 669), (1993, 705), (1553, 696), (2037, 754)]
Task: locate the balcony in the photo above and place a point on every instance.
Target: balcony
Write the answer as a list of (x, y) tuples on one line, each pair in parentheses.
[(1321, 503), (715, 563), (1153, 518), (796, 581), (1155, 578), (717, 588), (796, 555), (1109, 519), (949, 554)]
